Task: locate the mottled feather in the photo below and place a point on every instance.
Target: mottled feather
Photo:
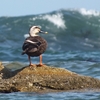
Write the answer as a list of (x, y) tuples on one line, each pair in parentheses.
[(34, 46)]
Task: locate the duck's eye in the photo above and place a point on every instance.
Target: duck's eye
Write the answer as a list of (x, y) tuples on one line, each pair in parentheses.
[(37, 27)]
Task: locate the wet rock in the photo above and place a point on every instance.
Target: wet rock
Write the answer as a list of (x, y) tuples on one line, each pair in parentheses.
[(44, 79)]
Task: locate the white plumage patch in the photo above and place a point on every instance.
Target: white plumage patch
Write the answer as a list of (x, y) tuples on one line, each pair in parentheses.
[(30, 41), (26, 35)]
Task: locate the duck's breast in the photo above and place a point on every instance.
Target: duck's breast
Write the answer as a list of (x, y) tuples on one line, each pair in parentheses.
[(36, 48)]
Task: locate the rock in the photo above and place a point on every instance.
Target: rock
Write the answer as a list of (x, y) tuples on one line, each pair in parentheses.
[(44, 79)]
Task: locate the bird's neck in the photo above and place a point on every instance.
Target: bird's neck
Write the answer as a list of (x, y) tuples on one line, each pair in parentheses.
[(33, 34)]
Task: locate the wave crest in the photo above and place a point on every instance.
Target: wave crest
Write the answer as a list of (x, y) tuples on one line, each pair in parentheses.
[(84, 11), (56, 19)]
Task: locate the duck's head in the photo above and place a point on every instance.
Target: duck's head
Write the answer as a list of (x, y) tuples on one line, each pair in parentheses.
[(34, 30)]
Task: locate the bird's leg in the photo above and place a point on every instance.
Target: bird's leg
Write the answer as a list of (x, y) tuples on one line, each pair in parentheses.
[(29, 58), (40, 58)]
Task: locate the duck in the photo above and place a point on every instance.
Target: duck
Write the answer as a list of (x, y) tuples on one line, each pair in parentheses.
[(34, 45)]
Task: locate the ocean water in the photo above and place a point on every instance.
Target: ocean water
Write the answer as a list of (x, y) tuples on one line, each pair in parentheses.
[(73, 44)]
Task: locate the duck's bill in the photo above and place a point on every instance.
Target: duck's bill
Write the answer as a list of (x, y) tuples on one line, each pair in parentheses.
[(43, 32)]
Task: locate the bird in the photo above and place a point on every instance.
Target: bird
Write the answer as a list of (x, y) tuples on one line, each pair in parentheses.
[(34, 45)]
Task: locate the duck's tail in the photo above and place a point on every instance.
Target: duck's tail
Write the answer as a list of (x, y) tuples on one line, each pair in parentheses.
[(23, 53)]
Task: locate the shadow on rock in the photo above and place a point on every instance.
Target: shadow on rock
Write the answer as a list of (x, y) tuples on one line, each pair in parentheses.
[(7, 73)]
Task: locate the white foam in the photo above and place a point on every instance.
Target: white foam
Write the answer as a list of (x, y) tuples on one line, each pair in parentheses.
[(56, 19), (83, 11), (92, 24), (26, 35)]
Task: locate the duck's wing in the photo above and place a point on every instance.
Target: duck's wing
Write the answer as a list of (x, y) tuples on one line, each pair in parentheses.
[(30, 46)]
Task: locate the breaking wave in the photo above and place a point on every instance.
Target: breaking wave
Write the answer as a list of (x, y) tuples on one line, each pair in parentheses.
[(69, 30)]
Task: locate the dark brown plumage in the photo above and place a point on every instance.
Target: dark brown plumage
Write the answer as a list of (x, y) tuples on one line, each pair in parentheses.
[(34, 45), (34, 49)]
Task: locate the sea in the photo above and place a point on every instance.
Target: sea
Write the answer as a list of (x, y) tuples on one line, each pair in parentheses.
[(73, 43)]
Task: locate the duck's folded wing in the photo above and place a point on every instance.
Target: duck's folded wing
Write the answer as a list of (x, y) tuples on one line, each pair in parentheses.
[(30, 46), (34, 43)]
